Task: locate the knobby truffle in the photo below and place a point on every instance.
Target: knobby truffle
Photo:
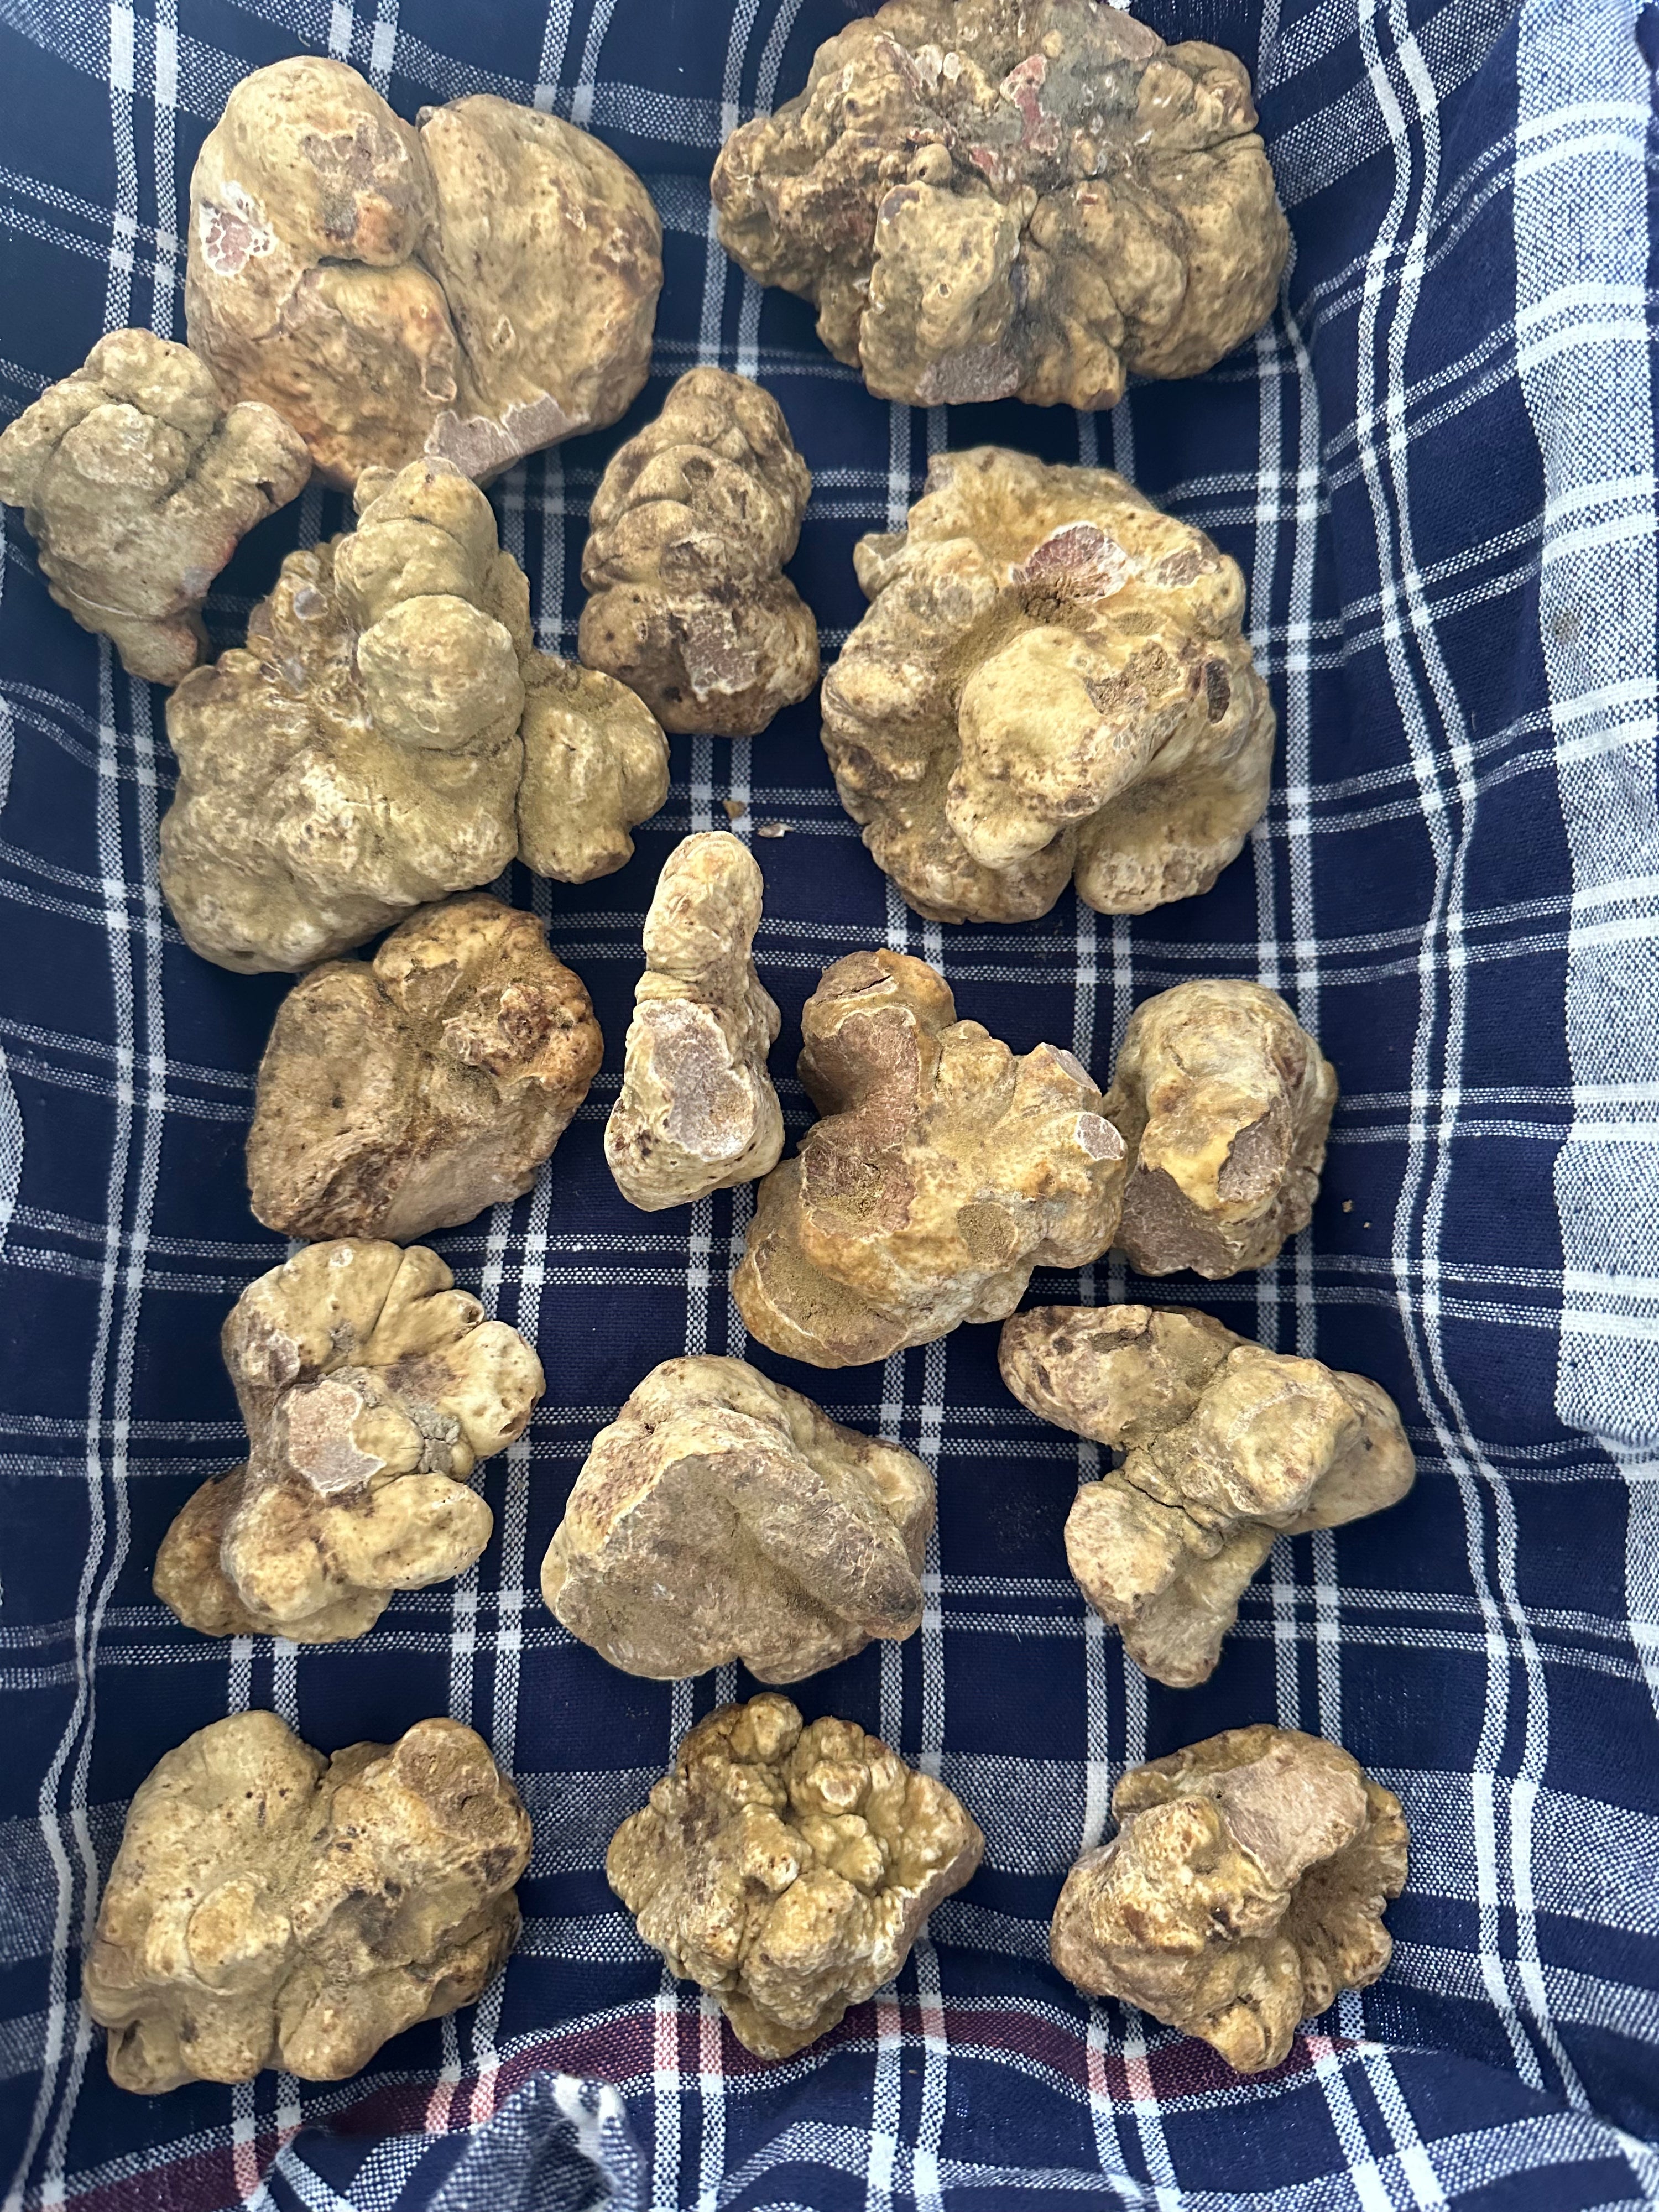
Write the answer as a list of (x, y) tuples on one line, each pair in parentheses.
[(1224, 1102), (721, 1516), (136, 483), (1226, 1446), (787, 1869), (1244, 1889), (470, 290), (388, 736), (1052, 681), (371, 1387), (408, 1093), (696, 1111), (944, 1170), (692, 524), (1001, 199), (272, 1907)]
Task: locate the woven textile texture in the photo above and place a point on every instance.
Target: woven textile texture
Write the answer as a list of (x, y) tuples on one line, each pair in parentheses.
[(1437, 469)]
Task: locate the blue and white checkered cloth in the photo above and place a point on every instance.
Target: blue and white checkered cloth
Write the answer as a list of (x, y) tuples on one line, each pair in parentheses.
[(1437, 468)]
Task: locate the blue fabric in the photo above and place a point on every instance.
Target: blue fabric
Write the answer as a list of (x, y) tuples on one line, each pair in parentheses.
[(1437, 468)]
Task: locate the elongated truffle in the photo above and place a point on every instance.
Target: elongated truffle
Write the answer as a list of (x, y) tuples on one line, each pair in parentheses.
[(272, 1907), (1244, 1889), (696, 1111), (1024, 198), (1223, 1102), (943, 1169), (407, 1093), (1226, 1445), (692, 523), (136, 483), (788, 1869), (467, 290), (721, 1516), (1052, 683), (371, 1388)]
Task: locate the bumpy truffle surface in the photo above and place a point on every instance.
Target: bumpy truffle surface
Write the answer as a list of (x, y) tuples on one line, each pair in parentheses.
[(470, 290), (363, 755), (988, 199), (371, 1388), (409, 1093), (721, 1516), (696, 1111), (691, 526), (272, 1907), (944, 1170), (137, 483), (1052, 680), (1244, 1889), (787, 1869), (1224, 1102), (1226, 1445)]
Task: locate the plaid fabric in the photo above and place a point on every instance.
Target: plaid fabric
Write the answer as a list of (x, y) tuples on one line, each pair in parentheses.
[(1437, 468)]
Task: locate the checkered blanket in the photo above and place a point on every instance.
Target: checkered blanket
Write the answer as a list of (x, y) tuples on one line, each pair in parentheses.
[(1437, 468)]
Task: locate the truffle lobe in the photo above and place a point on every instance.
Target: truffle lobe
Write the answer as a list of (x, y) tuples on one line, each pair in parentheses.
[(1224, 1102), (137, 483), (470, 290), (272, 1907), (696, 1111), (691, 525), (945, 1169), (1225, 1446), (722, 1516), (788, 1869), (409, 1093), (1052, 682), (1244, 1889)]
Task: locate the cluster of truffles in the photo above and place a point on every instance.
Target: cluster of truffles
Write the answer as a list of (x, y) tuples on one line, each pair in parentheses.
[(984, 198), (1024, 198), (1052, 683)]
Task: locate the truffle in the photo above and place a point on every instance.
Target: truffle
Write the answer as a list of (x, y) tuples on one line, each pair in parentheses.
[(945, 1169), (696, 1111), (272, 1907), (1226, 1445), (692, 523), (470, 290), (1008, 199), (1245, 1888), (366, 752), (371, 1388), (721, 1516), (136, 483), (1224, 1101), (787, 1869), (407, 1094), (1052, 681)]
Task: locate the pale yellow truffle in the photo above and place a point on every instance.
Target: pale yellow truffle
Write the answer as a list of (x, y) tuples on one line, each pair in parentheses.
[(1223, 1102), (1227, 1445), (721, 1516), (944, 1170), (1052, 683), (1026, 198), (787, 1869), (1244, 1889), (272, 1907), (468, 289), (371, 1388), (137, 483), (696, 1111)]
